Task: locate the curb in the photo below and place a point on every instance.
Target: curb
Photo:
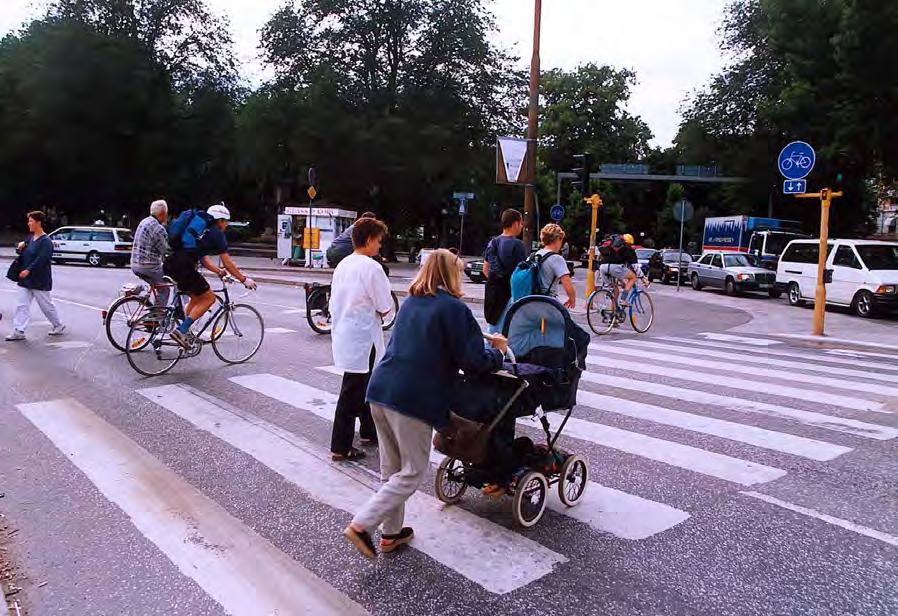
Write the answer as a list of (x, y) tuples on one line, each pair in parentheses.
[(827, 342), (12, 607)]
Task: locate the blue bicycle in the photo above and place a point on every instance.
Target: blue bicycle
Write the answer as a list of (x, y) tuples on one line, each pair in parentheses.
[(604, 313)]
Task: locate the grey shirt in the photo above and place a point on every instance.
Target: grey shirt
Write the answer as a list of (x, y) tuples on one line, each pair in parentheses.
[(551, 272)]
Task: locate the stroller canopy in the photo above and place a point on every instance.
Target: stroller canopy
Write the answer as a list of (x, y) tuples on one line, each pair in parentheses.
[(536, 322)]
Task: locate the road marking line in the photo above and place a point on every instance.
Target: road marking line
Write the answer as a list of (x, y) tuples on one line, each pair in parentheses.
[(811, 337), (769, 361), (605, 509), (789, 354), (811, 449), (827, 382), (761, 342), (236, 567), (70, 302), (70, 344), (818, 420), (279, 330), (295, 311), (842, 523), (721, 380), (488, 554), (848, 353)]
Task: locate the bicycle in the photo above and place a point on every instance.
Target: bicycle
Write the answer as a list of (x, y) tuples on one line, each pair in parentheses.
[(797, 160), (318, 297), (604, 313), (135, 301), (152, 352)]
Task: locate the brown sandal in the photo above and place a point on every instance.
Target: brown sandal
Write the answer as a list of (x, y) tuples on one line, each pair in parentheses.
[(362, 542), (388, 543), (351, 456)]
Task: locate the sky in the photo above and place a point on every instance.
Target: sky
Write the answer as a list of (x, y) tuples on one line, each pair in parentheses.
[(670, 44)]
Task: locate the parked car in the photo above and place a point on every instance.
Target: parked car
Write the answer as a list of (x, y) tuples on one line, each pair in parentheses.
[(667, 265), (864, 274), (733, 272), (644, 255), (474, 271), (97, 246)]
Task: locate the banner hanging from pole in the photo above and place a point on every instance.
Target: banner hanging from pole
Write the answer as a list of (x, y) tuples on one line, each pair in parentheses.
[(513, 161)]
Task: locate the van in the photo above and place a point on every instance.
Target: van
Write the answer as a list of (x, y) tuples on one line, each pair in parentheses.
[(864, 274), (96, 246)]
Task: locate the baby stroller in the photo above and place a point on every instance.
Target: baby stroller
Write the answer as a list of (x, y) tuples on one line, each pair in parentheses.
[(548, 355)]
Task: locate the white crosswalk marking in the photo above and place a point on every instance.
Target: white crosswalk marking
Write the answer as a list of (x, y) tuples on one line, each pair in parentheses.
[(236, 567), (605, 509), (743, 368), (759, 437), (490, 555), (762, 360), (761, 342), (279, 330), (68, 345), (810, 418), (721, 380), (849, 353), (792, 354)]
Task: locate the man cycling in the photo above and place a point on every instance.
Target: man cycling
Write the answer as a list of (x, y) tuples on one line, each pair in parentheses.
[(150, 246), (342, 246), (201, 237), (619, 262)]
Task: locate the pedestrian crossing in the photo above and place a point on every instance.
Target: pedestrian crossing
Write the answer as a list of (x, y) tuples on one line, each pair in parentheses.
[(714, 415)]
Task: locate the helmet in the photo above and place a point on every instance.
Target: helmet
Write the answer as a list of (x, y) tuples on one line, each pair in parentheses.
[(219, 212), (628, 239)]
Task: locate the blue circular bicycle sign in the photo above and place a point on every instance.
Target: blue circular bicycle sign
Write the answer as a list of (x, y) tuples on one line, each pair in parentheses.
[(557, 212), (797, 160)]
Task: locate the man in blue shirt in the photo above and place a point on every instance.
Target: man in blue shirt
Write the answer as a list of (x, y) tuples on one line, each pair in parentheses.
[(502, 256), (182, 265)]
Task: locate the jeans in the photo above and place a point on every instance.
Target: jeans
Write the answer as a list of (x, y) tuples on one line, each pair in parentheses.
[(23, 309)]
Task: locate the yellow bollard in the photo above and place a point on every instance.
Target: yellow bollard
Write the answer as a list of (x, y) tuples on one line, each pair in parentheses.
[(596, 202)]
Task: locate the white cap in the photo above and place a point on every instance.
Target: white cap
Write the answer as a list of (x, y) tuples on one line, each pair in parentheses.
[(219, 212)]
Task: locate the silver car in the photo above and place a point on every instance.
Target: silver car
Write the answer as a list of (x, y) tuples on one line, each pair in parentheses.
[(732, 272)]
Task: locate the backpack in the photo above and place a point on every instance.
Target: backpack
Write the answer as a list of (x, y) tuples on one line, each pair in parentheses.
[(526, 280), (187, 230), (612, 245)]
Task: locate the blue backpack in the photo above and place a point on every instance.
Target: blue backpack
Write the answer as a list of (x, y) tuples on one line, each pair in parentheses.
[(526, 280), (187, 230)]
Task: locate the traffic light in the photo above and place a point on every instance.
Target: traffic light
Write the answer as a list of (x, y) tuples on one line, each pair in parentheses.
[(582, 173)]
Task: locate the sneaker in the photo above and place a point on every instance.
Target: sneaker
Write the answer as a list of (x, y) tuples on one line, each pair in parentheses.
[(57, 331), (184, 340), (388, 543), (15, 335)]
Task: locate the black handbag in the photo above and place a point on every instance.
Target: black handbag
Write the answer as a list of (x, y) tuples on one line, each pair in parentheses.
[(15, 268), (463, 439)]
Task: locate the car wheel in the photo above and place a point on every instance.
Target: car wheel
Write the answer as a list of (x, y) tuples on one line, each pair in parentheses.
[(94, 258), (795, 295), (863, 304), (695, 283), (730, 287)]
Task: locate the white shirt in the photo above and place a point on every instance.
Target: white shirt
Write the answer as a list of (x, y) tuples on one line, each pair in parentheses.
[(359, 291)]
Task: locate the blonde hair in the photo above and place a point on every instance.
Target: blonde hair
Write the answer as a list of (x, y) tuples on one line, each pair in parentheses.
[(441, 270), (550, 234)]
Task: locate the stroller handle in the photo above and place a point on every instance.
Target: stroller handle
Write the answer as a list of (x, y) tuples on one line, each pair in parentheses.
[(509, 354)]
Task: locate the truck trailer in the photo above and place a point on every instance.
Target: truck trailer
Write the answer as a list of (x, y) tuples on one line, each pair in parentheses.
[(765, 238)]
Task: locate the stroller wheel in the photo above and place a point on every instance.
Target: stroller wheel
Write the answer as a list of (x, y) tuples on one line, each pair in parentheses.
[(530, 499), (450, 484), (573, 480)]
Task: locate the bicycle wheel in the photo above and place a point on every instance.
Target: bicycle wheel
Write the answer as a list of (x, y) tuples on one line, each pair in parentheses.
[(238, 334), (149, 349), (390, 319), (318, 311), (600, 312), (120, 315), (642, 312)]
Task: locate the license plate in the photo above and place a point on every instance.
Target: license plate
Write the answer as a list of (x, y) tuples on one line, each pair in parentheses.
[(763, 286)]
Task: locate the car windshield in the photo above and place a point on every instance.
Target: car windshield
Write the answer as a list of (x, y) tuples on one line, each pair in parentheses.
[(736, 261), (879, 256), (644, 254), (126, 236), (673, 257)]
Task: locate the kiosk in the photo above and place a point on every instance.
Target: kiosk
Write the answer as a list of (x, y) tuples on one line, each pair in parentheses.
[(305, 234)]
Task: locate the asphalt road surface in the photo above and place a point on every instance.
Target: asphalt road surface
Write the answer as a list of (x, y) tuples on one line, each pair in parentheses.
[(731, 473)]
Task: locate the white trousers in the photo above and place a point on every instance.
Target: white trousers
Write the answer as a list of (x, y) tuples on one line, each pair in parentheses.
[(23, 309)]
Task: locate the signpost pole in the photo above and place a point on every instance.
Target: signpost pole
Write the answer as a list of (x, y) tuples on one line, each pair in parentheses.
[(826, 196), (532, 126), (682, 205)]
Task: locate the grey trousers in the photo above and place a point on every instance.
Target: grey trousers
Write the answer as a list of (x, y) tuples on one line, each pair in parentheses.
[(23, 309), (154, 275), (404, 458)]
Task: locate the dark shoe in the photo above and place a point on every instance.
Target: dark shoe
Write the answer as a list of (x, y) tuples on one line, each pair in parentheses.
[(352, 455), (388, 543), (368, 442), (362, 542)]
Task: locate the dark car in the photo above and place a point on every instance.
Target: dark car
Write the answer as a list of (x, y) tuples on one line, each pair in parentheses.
[(667, 265), (474, 271)]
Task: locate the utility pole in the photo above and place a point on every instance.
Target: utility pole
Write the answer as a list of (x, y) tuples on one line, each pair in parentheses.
[(532, 127), (826, 197)]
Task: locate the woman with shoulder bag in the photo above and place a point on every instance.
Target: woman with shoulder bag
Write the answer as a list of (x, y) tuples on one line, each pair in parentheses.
[(411, 391)]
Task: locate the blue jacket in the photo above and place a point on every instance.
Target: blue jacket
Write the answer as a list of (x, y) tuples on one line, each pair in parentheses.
[(434, 338), (36, 259)]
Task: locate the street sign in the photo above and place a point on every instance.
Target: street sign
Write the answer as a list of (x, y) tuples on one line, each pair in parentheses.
[(557, 212), (797, 160), (312, 192), (683, 211), (463, 198), (462, 207), (795, 187)]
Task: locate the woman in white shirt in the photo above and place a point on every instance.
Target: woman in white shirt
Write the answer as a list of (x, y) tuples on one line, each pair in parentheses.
[(360, 298)]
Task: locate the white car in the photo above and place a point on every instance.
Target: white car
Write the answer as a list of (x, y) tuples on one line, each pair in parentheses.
[(96, 246), (864, 274)]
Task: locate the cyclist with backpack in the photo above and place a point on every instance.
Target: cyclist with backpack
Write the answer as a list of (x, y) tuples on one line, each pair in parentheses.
[(196, 236), (545, 270), (619, 262)]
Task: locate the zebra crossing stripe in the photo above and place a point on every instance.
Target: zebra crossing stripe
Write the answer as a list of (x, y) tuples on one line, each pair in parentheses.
[(828, 382), (490, 555), (764, 360), (722, 380), (759, 342), (605, 509), (245, 573), (828, 358), (811, 449), (810, 418)]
